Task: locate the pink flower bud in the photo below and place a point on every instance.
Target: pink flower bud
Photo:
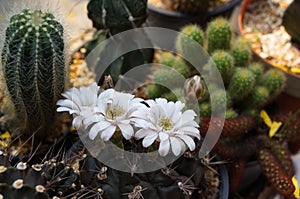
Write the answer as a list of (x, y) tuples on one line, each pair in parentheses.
[(194, 88)]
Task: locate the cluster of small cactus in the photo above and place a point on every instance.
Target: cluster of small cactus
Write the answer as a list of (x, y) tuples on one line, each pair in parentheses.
[(249, 88), (168, 77), (33, 64)]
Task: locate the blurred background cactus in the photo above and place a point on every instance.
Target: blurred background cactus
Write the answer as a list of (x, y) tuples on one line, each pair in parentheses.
[(33, 64), (290, 19), (188, 6), (113, 17)]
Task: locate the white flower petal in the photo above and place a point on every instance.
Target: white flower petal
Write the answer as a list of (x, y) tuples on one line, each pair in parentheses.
[(188, 115), (164, 148), (108, 133), (176, 146), (122, 99), (65, 109), (68, 104), (149, 139), (188, 141), (126, 130), (77, 121), (163, 136), (140, 133), (97, 127)]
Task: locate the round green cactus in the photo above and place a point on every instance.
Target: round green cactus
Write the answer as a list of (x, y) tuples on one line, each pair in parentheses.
[(230, 114), (241, 52), (218, 97), (274, 80), (241, 84), (205, 109), (258, 97), (176, 94), (224, 63), (166, 58), (257, 69), (155, 90), (189, 34), (181, 66), (218, 35), (34, 67)]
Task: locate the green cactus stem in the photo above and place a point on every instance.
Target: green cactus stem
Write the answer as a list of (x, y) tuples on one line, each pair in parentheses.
[(258, 97), (241, 84), (224, 63), (34, 67), (218, 35), (257, 69), (189, 34), (275, 81), (241, 52)]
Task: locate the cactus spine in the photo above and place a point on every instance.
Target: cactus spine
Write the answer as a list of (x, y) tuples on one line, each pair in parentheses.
[(190, 33), (218, 35), (224, 63), (34, 67), (274, 80), (241, 84), (241, 52)]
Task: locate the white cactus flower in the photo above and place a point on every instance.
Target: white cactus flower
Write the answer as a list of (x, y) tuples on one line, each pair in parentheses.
[(79, 102), (165, 122)]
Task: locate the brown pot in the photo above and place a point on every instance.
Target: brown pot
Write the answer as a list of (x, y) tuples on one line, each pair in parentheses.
[(293, 80)]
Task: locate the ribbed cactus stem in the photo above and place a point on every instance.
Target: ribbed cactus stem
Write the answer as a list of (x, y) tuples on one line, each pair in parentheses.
[(34, 66)]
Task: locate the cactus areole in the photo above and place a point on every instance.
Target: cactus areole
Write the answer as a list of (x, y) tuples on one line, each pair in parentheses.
[(33, 65)]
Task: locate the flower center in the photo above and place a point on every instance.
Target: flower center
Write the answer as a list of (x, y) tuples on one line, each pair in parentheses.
[(165, 123), (114, 112)]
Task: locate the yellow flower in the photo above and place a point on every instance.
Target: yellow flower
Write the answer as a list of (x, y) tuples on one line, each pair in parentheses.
[(4, 139), (5, 135), (273, 125), (297, 190)]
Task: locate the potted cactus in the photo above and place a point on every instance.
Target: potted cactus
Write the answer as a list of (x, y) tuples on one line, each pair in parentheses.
[(174, 14), (33, 66), (250, 87), (266, 35)]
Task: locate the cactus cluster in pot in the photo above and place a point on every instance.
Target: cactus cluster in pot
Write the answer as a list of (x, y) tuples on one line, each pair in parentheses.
[(250, 87), (33, 65)]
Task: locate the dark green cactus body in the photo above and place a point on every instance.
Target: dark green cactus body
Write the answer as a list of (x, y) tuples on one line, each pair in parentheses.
[(34, 67), (117, 15), (113, 17)]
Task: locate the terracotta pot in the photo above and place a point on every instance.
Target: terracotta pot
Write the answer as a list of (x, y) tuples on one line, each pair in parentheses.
[(293, 80)]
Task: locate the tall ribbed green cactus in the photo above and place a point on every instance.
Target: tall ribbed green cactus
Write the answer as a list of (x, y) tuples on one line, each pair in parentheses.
[(34, 67)]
